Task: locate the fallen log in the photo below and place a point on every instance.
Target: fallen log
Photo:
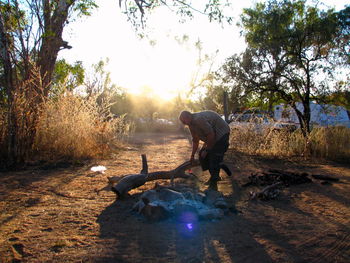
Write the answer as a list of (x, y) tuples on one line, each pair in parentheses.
[(132, 181)]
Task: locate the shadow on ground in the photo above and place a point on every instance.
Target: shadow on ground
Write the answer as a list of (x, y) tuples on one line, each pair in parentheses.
[(132, 239)]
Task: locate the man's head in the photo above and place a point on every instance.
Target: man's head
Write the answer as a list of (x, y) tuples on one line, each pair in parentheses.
[(185, 117)]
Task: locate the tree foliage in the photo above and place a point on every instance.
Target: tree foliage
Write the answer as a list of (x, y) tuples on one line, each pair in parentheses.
[(137, 10), (290, 53), (67, 77)]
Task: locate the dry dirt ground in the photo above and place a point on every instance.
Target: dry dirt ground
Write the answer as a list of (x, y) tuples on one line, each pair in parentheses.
[(54, 214)]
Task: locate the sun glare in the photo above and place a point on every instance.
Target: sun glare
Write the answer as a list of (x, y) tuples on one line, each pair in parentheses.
[(169, 73), (165, 80), (166, 69)]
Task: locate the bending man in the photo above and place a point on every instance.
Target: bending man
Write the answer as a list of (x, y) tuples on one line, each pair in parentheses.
[(210, 128)]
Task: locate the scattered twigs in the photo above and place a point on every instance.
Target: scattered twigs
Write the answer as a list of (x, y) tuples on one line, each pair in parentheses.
[(274, 180), (274, 176), (269, 192)]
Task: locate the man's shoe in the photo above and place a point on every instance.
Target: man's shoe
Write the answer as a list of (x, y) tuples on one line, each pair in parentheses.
[(226, 169), (212, 181), (213, 186)]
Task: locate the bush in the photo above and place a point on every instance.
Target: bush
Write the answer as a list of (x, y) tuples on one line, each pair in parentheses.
[(325, 142), (331, 142), (74, 128)]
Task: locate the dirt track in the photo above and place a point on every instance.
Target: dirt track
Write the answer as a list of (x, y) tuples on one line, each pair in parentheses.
[(55, 215)]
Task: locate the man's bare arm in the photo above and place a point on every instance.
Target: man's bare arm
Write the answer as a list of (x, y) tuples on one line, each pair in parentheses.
[(195, 144)]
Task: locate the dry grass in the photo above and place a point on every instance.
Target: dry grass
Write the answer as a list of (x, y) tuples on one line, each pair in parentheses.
[(326, 142), (53, 128), (331, 142), (18, 119), (71, 127)]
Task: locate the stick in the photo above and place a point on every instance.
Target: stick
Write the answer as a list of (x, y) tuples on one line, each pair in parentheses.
[(144, 164), (133, 181)]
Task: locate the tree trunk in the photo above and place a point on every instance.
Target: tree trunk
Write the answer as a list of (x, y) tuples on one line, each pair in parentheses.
[(10, 90), (52, 39)]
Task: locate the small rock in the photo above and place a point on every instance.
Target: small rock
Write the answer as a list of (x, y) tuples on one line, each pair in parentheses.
[(210, 214), (189, 195), (199, 197), (221, 203), (211, 196), (169, 195), (154, 212)]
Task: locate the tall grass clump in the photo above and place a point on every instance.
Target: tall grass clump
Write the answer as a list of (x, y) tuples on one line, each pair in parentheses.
[(331, 142), (325, 142), (19, 110), (70, 127)]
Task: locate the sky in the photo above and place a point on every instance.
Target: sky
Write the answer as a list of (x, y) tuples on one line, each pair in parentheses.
[(159, 62)]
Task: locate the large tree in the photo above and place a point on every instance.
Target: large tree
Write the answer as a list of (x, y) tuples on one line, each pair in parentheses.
[(290, 53), (31, 37)]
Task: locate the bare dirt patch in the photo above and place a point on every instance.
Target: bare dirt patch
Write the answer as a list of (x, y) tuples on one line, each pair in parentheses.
[(56, 215)]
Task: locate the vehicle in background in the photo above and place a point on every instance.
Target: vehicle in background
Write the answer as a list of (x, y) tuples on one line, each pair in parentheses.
[(321, 115), (164, 121), (258, 121)]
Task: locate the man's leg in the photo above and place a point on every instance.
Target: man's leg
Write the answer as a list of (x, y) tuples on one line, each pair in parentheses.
[(214, 170), (215, 158), (226, 169), (204, 162)]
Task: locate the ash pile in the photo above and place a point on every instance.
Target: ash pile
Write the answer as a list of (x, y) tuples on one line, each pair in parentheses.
[(183, 204), (274, 181)]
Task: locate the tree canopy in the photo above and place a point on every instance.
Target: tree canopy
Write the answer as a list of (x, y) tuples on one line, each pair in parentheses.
[(291, 53)]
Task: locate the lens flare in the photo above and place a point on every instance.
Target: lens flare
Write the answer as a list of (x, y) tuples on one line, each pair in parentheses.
[(189, 226)]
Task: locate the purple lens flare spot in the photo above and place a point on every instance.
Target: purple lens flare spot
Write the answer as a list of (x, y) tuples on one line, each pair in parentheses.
[(189, 226)]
